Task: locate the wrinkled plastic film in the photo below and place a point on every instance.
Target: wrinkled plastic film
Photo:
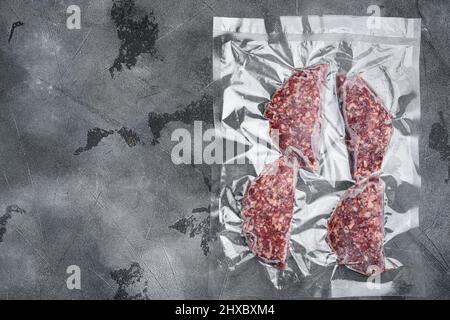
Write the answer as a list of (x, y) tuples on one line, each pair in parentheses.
[(251, 65)]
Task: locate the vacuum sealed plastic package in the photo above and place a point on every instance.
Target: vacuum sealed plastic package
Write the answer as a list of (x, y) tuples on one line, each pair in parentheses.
[(326, 110)]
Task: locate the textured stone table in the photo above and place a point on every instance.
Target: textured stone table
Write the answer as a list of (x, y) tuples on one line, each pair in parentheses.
[(85, 121)]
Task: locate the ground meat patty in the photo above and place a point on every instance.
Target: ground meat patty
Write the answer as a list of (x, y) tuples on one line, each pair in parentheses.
[(368, 123), (294, 113), (356, 227), (267, 211)]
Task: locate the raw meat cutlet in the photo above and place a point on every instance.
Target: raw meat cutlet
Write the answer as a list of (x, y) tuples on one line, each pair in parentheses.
[(368, 125), (294, 114), (267, 211), (356, 227)]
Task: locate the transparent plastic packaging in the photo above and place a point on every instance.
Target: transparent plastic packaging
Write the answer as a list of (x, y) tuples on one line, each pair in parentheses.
[(378, 58)]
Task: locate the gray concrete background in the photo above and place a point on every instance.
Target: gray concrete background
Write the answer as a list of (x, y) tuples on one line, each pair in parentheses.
[(85, 172)]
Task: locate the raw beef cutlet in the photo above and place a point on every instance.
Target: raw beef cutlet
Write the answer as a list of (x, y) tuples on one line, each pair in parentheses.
[(356, 227), (368, 126), (294, 114), (267, 211)]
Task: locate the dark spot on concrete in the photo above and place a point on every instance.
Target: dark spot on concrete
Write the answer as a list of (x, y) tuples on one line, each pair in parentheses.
[(184, 224), (203, 228), (205, 170), (129, 136), (13, 27), (94, 136), (137, 33), (207, 181), (198, 223), (10, 210), (11, 76), (126, 279), (438, 140), (200, 110)]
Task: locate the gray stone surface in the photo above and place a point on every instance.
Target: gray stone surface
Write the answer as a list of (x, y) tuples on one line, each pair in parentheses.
[(85, 172)]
